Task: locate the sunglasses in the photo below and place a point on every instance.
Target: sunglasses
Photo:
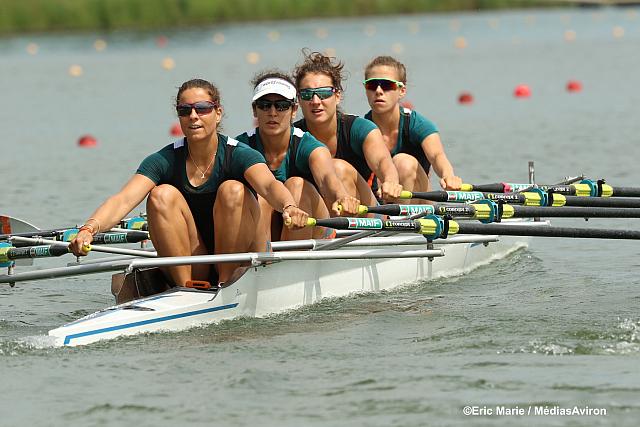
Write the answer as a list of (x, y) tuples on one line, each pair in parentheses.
[(322, 92), (201, 107), (281, 104), (385, 84)]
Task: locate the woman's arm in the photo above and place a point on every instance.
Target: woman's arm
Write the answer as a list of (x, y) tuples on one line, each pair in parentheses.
[(379, 160), (276, 194), (433, 149), (112, 211)]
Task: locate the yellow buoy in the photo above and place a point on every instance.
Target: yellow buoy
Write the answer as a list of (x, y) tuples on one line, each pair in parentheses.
[(493, 23), (460, 42), (32, 48), (75, 70), (322, 33), (218, 38), (168, 63), (397, 48), (253, 57), (370, 31), (273, 35), (618, 32), (100, 45), (330, 52), (569, 35)]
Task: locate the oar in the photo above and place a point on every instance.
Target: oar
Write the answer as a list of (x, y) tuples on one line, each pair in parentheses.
[(532, 198), (94, 248), (435, 227), (485, 212), (430, 226), (536, 197), (68, 234), (586, 188), (10, 253)]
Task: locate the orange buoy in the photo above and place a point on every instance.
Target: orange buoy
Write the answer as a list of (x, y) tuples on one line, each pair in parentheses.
[(574, 86), (522, 91), (176, 130), (465, 98), (87, 141), (407, 104)]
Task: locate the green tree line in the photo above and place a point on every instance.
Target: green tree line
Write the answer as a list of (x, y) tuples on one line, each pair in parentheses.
[(23, 16)]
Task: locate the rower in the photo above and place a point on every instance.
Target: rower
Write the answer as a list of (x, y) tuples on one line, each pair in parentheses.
[(200, 192), (355, 143), (295, 158), (412, 139)]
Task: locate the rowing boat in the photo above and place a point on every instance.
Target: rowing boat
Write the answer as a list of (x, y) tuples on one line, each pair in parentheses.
[(303, 272), (275, 283)]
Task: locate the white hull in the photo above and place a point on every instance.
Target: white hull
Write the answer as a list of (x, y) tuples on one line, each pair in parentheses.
[(278, 287)]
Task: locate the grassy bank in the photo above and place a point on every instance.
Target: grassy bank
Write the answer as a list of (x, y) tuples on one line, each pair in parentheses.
[(23, 16)]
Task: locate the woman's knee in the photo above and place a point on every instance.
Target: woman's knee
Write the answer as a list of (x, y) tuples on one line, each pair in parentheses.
[(295, 184), (163, 196), (344, 168), (232, 195)]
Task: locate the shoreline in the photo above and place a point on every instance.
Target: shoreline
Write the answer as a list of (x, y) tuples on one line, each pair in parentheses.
[(77, 16)]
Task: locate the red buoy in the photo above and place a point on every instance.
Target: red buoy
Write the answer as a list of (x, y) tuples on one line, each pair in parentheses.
[(161, 41), (465, 98), (574, 86), (176, 130), (87, 141), (407, 104), (522, 91)]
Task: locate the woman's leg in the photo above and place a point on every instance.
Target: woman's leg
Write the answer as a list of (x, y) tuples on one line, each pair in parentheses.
[(236, 220), (174, 232), (412, 175), (309, 200), (355, 185)]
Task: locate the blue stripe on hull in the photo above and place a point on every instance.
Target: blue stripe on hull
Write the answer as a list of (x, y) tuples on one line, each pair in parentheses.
[(68, 338)]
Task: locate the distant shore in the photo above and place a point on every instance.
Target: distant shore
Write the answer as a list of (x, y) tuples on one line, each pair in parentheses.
[(38, 16)]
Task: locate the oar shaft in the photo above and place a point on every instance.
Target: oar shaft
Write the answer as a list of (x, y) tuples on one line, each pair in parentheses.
[(626, 191), (536, 231), (574, 212), (603, 202)]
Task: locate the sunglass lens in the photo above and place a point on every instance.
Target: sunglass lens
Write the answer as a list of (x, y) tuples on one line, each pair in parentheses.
[(386, 85), (183, 110), (322, 92), (203, 107), (282, 105)]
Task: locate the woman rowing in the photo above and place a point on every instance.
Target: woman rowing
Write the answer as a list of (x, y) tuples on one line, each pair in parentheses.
[(412, 139), (199, 199), (355, 143), (294, 157)]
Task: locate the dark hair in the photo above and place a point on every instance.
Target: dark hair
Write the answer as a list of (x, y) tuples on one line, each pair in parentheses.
[(318, 63), (390, 62), (213, 91), (270, 74)]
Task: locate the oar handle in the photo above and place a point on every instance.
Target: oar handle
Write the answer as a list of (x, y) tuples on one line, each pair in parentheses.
[(10, 253), (362, 209)]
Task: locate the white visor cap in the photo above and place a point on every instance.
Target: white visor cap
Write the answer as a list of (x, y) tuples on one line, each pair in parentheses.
[(277, 86)]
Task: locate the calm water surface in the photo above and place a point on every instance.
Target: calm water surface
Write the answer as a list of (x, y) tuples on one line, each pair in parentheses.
[(554, 325)]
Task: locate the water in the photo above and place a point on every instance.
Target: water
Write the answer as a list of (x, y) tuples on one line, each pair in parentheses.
[(554, 325)]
